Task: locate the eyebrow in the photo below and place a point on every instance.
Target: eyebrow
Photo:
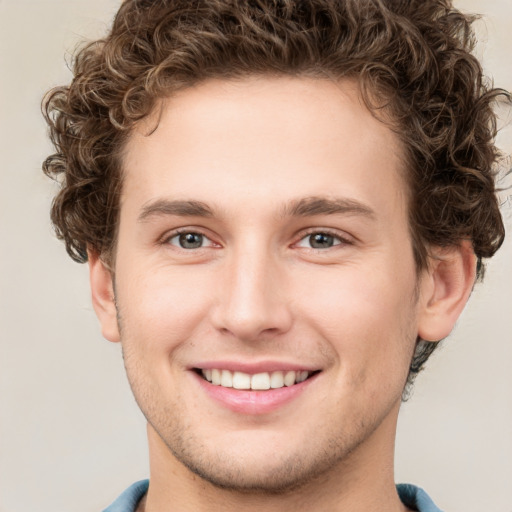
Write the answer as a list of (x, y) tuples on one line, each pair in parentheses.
[(303, 207), (177, 207), (318, 205)]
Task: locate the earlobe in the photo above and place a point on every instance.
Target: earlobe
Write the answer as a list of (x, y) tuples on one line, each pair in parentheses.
[(446, 288), (103, 300)]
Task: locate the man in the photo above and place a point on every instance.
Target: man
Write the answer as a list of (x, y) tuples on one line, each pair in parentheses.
[(284, 207)]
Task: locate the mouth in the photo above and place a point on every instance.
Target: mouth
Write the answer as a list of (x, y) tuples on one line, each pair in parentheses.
[(255, 382)]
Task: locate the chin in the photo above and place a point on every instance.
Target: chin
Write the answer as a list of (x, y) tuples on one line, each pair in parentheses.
[(282, 477), (261, 466)]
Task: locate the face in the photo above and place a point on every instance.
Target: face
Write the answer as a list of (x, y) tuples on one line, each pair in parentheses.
[(266, 291)]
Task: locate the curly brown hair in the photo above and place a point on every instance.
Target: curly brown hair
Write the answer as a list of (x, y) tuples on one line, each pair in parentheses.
[(412, 58)]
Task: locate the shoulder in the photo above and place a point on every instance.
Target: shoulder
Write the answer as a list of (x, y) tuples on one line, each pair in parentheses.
[(416, 498), (130, 498)]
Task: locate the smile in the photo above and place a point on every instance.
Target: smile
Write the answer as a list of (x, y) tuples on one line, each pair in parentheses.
[(258, 381)]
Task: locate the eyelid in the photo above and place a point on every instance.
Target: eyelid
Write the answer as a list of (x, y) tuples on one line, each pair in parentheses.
[(343, 239), (169, 235)]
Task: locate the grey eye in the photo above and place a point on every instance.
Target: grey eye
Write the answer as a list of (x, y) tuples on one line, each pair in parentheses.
[(188, 240), (321, 240)]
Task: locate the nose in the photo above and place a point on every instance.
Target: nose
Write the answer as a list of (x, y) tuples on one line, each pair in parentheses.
[(252, 303)]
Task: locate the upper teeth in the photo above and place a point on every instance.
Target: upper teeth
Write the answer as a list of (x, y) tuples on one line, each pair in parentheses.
[(258, 381)]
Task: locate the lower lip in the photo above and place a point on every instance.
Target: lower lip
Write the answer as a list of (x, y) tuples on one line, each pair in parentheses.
[(254, 402)]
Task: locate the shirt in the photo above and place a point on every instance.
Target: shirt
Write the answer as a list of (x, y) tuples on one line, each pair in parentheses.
[(413, 497)]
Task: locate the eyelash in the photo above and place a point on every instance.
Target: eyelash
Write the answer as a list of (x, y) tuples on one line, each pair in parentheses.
[(339, 240), (187, 231)]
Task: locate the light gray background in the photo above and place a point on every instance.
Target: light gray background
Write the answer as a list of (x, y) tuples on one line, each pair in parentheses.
[(71, 436)]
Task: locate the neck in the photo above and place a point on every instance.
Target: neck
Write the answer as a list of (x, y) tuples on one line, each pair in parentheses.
[(362, 482)]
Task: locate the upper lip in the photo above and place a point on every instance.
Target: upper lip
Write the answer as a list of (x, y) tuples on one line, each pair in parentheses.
[(254, 367)]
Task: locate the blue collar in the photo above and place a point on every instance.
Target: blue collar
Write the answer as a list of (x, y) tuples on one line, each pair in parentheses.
[(413, 497)]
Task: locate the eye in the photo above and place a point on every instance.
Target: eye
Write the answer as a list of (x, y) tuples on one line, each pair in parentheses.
[(190, 240), (319, 240)]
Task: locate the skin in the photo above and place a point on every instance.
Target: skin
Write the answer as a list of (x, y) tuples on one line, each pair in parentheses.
[(256, 291)]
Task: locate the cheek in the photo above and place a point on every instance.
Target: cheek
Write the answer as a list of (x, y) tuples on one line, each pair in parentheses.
[(367, 316), (355, 296), (160, 309)]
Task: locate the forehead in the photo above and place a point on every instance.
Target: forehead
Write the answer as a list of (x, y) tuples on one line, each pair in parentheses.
[(269, 138)]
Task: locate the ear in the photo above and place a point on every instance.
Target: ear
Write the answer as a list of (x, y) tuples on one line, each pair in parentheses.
[(445, 289), (103, 300)]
